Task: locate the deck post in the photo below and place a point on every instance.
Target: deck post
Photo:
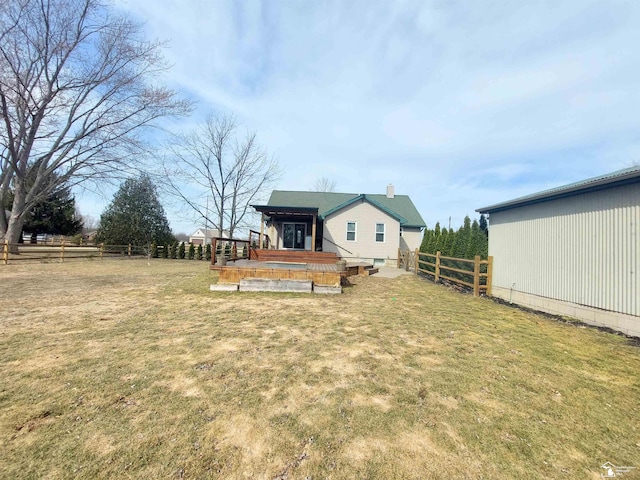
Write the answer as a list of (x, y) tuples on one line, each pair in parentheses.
[(313, 233), (261, 230), (213, 250)]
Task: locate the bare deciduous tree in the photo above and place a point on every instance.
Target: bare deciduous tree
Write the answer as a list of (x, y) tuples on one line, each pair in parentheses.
[(215, 162), (77, 88), (324, 184)]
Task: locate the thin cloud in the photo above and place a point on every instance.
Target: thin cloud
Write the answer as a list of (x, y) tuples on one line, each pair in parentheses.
[(459, 104)]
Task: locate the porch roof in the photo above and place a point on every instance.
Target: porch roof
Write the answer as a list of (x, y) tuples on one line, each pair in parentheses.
[(288, 211)]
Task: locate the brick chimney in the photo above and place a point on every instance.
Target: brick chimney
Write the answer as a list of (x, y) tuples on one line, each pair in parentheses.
[(390, 191)]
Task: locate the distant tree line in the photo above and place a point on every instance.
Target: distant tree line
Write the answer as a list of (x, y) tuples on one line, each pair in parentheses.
[(469, 240)]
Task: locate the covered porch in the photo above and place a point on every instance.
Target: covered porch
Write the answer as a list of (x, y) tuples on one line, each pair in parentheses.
[(291, 228)]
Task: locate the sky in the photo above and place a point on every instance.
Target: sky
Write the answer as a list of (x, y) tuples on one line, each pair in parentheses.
[(458, 104)]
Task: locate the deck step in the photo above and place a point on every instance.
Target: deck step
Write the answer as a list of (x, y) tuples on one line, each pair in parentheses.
[(275, 285), (370, 270)]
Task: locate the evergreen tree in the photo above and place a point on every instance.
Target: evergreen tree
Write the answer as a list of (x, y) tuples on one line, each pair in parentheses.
[(173, 250), (154, 250), (55, 215), (165, 251), (199, 252), (207, 252), (191, 254), (473, 247), (181, 251), (451, 241), (426, 236), (484, 226), (442, 241), (134, 216)]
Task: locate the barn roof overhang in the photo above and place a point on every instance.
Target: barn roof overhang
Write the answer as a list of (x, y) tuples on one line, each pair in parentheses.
[(615, 179)]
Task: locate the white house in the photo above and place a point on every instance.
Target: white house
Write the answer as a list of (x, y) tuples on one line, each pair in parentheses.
[(367, 227), (572, 250), (198, 237)]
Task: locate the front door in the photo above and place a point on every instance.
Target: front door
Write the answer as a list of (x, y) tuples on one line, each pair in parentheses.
[(293, 235)]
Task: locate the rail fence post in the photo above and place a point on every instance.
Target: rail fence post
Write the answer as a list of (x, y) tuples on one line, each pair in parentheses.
[(5, 252), (399, 257), (415, 270), (102, 251), (476, 276), (437, 272), (129, 251), (62, 251), (489, 274)]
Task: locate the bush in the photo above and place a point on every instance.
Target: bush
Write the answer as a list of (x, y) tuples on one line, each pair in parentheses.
[(181, 251), (172, 250), (191, 253), (207, 252), (165, 251), (199, 252), (154, 250)]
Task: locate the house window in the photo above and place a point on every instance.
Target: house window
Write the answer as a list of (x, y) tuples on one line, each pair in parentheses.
[(380, 232), (351, 231)]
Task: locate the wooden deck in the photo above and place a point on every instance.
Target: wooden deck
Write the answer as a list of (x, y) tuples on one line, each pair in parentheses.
[(303, 256), (318, 273)]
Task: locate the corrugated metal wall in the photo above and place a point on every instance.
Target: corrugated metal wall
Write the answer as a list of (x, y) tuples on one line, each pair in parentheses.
[(583, 249)]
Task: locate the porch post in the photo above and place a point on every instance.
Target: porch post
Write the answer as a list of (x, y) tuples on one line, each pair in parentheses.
[(313, 234), (261, 230)]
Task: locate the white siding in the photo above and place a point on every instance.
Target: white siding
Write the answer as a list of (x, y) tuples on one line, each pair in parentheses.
[(411, 238), (365, 247), (583, 249)]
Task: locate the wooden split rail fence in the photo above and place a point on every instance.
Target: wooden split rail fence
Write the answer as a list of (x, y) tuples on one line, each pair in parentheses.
[(65, 251), (475, 274)]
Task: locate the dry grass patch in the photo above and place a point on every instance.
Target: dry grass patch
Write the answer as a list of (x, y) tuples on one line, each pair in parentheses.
[(120, 369)]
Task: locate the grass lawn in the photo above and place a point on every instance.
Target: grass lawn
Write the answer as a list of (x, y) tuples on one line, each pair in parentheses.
[(120, 369)]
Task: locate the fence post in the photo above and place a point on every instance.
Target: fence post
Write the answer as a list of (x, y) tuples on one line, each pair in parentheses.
[(437, 273), (399, 258), (476, 276), (62, 251), (5, 252), (129, 251), (415, 265), (489, 274), (101, 250)]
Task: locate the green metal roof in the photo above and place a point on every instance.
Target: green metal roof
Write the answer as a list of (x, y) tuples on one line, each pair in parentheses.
[(613, 179), (400, 206)]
